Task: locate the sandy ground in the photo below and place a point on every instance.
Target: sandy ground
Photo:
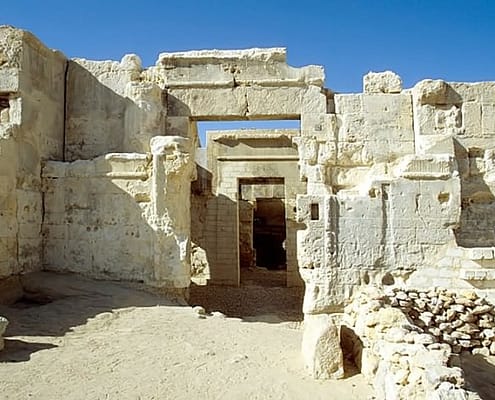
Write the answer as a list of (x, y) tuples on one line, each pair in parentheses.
[(101, 340)]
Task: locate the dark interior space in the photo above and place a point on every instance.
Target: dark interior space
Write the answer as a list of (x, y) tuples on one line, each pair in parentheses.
[(269, 233)]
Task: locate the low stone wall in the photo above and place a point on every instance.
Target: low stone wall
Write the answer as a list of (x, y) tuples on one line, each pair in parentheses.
[(398, 357)]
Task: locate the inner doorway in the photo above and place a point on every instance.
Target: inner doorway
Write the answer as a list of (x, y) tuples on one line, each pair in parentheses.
[(262, 232), (269, 233)]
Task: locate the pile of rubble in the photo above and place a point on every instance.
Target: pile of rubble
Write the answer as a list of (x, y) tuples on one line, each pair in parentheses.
[(401, 359), (462, 320)]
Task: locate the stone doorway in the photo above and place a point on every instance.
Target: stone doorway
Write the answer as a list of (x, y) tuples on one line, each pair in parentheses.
[(262, 232), (241, 173)]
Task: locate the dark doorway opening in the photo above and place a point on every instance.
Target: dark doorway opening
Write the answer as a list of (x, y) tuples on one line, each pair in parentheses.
[(269, 234), (262, 232)]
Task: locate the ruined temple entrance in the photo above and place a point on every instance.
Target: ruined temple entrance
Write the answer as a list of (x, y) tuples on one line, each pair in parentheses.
[(262, 232), (243, 209)]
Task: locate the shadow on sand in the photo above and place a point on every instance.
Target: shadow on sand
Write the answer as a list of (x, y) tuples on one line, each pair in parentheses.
[(479, 373), (53, 304)]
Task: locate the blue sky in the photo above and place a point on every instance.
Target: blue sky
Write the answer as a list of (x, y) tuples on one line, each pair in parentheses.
[(453, 40)]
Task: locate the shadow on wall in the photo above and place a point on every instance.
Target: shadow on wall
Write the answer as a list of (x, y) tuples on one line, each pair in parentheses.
[(95, 116), (477, 220), (479, 374), (93, 227), (206, 246), (352, 348)]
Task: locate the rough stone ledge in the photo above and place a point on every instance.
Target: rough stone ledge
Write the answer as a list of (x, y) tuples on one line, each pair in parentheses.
[(204, 56)]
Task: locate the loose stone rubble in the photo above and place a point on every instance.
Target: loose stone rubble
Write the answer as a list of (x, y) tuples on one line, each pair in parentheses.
[(400, 358), (462, 320), (102, 174)]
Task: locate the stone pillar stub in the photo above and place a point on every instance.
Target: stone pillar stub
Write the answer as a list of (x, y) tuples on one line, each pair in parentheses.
[(173, 167), (321, 349)]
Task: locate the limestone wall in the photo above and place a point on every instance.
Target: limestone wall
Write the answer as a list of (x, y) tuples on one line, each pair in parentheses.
[(399, 177), (31, 130), (95, 217), (110, 108), (122, 216)]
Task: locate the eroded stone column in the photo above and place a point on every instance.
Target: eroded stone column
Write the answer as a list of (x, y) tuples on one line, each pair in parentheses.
[(173, 167)]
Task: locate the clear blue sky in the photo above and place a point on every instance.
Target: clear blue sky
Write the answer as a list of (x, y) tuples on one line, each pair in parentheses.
[(453, 40)]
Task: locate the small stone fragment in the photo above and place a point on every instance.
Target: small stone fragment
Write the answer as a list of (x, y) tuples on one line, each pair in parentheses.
[(382, 82), (424, 338), (199, 310)]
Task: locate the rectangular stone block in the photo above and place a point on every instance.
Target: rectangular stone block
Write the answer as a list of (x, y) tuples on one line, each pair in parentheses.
[(321, 127), (471, 112), (488, 119), (321, 348), (207, 103), (9, 80), (348, 103)]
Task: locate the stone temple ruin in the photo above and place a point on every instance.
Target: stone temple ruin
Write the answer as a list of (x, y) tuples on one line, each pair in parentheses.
[(382, 194)]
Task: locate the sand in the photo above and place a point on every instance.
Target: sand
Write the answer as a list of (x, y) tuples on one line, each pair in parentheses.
[(74, 338)]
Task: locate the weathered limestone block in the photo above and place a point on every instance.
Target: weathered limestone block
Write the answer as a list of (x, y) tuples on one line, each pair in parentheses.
[(228, 68), (245, 102), (321, 127), (114, 74), (347, 103), (316, 145), (382, 82), (128, 110), (146, 118), (9, 79), (321, 349), (3, 326), (436, 92), (431, 92), (11, 47), (170, 218), (440, 114), (373, 128), (317, 241), (426, 167)]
